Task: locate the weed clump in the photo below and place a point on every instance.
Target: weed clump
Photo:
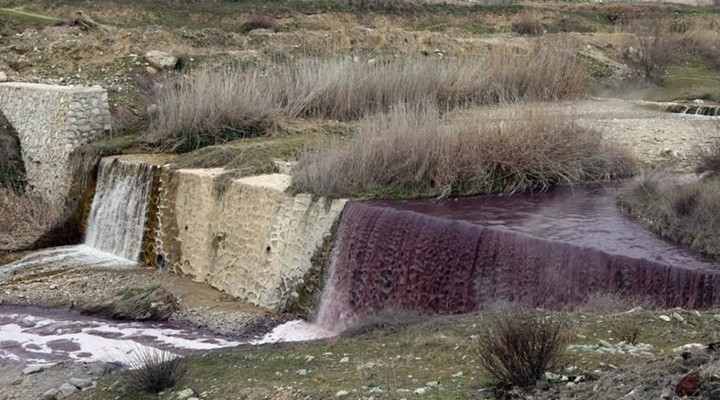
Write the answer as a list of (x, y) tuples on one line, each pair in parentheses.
[(519, 347), (156, 370)]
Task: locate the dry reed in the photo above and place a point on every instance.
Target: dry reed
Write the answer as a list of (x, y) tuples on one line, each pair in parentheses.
[(218, 106), (415, 152), (23, 219)]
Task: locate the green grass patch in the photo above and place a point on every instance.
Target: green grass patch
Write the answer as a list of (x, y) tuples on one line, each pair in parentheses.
[(686, 82), (26, 16), (434, 349)]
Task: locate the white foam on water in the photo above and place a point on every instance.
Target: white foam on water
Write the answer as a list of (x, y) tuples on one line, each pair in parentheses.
[(68, 256), (94, 340), (295, 331)]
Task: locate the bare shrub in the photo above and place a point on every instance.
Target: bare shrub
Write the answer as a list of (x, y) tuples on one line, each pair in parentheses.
[(520, 346), (651, 48), (527, 26), (218, 106), (155, 370), (24, 219), (418, 153), (704, 43)]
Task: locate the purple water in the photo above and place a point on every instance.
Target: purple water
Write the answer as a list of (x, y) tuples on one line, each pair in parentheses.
[(549, 249)]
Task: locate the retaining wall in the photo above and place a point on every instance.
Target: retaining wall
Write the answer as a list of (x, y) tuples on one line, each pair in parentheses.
[(51, 121), (246, 236)]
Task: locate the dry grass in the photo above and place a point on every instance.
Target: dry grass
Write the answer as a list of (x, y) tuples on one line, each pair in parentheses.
[(520, 346), (687, 213), (415, 152), (709, 157), (704, 43), (24, 219), (217, 106)]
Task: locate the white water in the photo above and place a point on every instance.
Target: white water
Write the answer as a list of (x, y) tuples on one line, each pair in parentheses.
[(115, 226), (117, 217)]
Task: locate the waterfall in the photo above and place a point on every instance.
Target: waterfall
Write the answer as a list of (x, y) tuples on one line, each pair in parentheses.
[(117, 218), (547, 250), (116, 223)]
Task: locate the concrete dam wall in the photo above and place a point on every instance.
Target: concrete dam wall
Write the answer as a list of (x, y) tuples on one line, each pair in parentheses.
[(51, 122), (244, 236)]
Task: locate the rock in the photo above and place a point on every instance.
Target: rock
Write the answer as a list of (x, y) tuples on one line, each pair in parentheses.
[(33, 369), (665, 318), (688, 385), (3, 77), (161, 59), (80, 383), (458, 374), (184, 394), (342, 393), (51, 394), (344, 360), (714, 394), (151, 71), (67, 389), (302, 372), (716, 317), (667, 394), (678, 317)]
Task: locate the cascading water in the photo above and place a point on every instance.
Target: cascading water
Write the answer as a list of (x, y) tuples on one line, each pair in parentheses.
[(547, 250), (117, 218), (116, 223)]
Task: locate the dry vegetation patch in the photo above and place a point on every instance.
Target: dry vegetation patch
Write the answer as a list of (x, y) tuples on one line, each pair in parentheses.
[(416, 152), (24, 219), (686, 213), (218, 106)]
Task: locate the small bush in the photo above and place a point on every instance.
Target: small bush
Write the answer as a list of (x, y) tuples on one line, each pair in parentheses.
[(259, 21), (629, 333), (155, 370), (418, 153), (384, 5), (528, 27), (519, 347), (651, 48)]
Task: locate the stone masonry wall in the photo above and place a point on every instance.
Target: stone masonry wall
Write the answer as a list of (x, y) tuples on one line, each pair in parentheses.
[(251, 239), (51, 121)]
